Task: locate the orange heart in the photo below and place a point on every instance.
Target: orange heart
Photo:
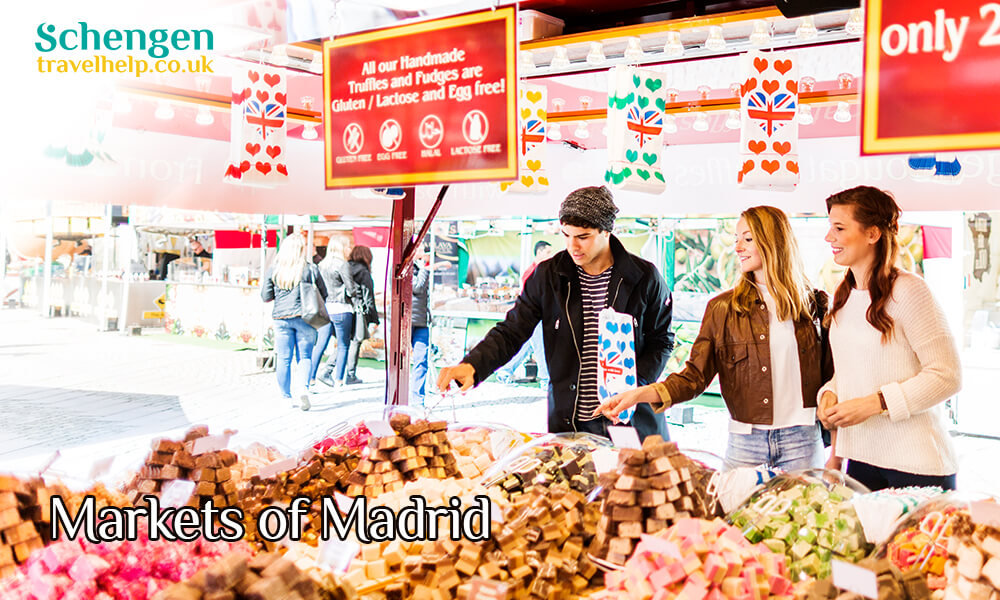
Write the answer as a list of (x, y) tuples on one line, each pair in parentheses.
[(533, 96), (534, 165), (525, 113), (770, 166), (760, 64), (543, 181), (782, 66), (748, 85), (771, 86), (782, 148), (747, 166), (793, 86), (527, 180), (757, 146), (505, 185), (739, 177), (792, 166)]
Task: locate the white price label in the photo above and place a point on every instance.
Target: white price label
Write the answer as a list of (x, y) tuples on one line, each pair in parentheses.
[(380, 429), (605, 460), (336, 555), (852, 578), (209, 443), (624, 437), (985, 512), (176, 493), (101, 467), (276, 468)]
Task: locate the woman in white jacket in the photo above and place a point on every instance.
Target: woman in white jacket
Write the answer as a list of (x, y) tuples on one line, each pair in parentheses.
[(895, 358)]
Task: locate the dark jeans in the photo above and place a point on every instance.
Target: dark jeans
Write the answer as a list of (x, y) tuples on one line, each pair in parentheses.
[(420, 341), (293, 334), (341, 327), (878, 478), (599, 427)]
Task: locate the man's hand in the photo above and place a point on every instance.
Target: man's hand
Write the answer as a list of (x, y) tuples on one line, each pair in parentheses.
[(463, 374), (826, 402), (625, 400), (854, 411)]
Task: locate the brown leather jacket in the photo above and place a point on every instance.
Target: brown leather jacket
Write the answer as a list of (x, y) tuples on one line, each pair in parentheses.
[(736, 347)]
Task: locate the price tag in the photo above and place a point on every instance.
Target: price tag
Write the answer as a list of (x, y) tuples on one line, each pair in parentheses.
[(624, 437), (985, 512), (101, 467), (176, 493), (487, 589), (605, 460), (209, 443), (380, 429), (852, 578), (276, 468), (336, 555)]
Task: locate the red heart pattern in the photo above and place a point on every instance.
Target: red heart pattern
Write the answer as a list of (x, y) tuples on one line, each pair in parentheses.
[(757, 146), (782, 148), (747, 166), (252, 148), (272, 79), (792, 166), (239, 98), (771, 85), (748, 85), (262, 95), (253, 75), (281, 169), (768, 165), (281, 98), (244, 166), (792, 86), (264, 168), (273, 151), (760, 64), (782, 66)]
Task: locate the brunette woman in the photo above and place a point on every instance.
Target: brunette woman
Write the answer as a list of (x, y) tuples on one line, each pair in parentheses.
[(764, 338), (365, 309), (896, 359)]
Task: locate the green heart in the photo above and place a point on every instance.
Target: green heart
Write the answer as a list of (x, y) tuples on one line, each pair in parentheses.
[(649, 159), (636, 80), (643, 102), (607, 176), (632, 155), (659, 176), (617, 178), (654, 84), (612, 100), (661, 104), (629, 98), (620, 103), (642, 173), (626, 172)]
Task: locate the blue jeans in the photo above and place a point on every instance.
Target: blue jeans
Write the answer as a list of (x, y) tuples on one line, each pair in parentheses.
[(536, 346), (878, 478), (788, 448), (322, 340), (293, 335), (341, 327), (420, 338)]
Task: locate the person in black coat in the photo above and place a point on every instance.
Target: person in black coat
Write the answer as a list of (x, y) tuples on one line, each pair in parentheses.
[(565, 294), (359, 263)]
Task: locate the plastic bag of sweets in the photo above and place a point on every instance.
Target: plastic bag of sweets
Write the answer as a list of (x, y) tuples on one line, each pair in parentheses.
[(807, 517), (880, 511), (478, 445), (353, 432), (562, 459)]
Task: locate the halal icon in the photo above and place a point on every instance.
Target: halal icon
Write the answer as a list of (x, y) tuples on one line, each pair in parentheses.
[(390, 135), (354, 138), (431, 131)]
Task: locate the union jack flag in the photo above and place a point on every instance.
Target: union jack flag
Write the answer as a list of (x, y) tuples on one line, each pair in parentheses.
[(644, 124), (270, 114), (772, 112), (609, 364), (533, 132)]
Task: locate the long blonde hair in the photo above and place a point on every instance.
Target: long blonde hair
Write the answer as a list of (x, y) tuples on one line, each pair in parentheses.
[(290, 262), (336, 250), (783, 268)]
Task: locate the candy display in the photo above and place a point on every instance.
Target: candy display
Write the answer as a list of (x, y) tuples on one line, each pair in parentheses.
[(879, 511), (652, 489), (893, 584), (20, 512), (562, 460), (973, 566), (354, 438), (251, 459), (921, 540), (477, 448), (695, 559), (807, 519), (76, 570)]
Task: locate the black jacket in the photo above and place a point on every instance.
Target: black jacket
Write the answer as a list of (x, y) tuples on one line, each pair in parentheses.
[(552, 295), (288, 303), (421, 312), (365, 308), (340, 286)]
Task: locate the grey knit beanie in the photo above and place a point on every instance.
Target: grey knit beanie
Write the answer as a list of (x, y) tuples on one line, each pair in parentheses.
[(595, 205)]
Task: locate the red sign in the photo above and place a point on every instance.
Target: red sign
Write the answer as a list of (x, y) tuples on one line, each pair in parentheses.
[(432, 102), (932, 70)]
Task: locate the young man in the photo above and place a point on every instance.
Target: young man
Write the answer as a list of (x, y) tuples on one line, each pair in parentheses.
[(566, 294)]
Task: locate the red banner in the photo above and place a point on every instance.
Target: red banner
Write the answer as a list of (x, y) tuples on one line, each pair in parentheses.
[(373, 237), (432, 102), (225, 239), (932, 69)]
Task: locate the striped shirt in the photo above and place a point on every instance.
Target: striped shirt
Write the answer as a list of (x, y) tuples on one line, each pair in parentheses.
[(595, 296)]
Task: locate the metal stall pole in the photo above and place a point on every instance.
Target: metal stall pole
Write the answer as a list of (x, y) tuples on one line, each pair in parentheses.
[(47, 267), (102, 317), (261, 359)]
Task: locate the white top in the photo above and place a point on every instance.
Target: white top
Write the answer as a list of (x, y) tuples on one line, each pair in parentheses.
[(786, 375), (916, 370), (338, 308)]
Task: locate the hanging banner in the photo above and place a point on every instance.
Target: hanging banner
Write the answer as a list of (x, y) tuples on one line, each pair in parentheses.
[(636, 103), (258, 124), (769, 131), (930, 74), (432, 102), (532, 128)]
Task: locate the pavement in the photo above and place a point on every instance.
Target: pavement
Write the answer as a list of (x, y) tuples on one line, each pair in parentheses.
[(72, 398)]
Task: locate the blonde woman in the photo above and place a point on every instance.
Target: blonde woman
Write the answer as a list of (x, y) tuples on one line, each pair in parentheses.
[(291, 331), (765, 340), (339, 305)]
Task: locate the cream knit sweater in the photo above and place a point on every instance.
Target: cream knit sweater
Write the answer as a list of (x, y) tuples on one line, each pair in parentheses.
[(916, 370)]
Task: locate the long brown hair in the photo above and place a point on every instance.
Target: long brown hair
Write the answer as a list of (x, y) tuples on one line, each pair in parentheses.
[(363, 255), (785, 274), (872, 207)]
